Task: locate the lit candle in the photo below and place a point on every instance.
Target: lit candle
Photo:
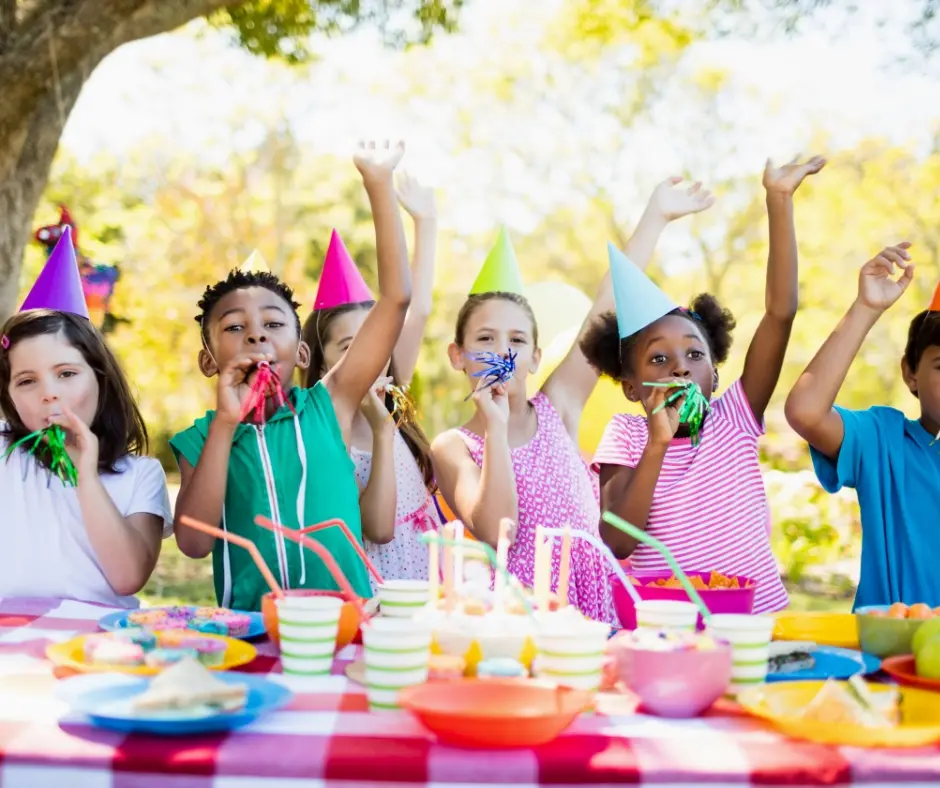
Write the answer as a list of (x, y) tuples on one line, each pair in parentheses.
[(564, 567), (434, 571)]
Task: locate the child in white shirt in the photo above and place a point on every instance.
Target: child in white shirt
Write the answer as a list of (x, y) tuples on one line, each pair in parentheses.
[(97, 541)]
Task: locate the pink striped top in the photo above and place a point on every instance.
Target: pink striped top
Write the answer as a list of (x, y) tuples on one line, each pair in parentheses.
[(710, 507)]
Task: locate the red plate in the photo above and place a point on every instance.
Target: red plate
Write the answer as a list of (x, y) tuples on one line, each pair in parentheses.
[(902, 668), (494, 713)]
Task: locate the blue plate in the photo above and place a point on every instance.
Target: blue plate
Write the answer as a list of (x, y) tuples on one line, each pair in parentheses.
[(832, 663), (104, 698), (118, 620)]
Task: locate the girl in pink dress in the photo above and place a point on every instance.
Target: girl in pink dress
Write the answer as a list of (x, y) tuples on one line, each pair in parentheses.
[(518, 458)]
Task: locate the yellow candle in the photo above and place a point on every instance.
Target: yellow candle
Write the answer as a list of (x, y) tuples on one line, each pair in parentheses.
[(564, 567)]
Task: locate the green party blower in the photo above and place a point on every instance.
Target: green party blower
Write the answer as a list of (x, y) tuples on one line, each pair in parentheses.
[(49, 441), (694, 406), (641, 536)]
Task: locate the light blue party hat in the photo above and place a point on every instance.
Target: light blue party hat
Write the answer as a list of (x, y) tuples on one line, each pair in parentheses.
[(639, 301)]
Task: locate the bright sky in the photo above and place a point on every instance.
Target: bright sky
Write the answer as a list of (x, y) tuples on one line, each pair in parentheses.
[(193, 90)]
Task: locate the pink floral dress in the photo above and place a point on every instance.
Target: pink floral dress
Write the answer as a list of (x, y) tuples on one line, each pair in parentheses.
[(556, 487), (405, 557)]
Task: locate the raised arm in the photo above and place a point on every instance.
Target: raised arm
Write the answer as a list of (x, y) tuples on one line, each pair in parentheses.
[(378, 501), (420, 204), (809, 408), (352, 377), (570, 385), (765, 355)]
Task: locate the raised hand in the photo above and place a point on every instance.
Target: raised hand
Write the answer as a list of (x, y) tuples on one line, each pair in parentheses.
[(493, 402), (876, 288), (234, 385), (674, 202), (416, 198), (378, 162), (787, 179)]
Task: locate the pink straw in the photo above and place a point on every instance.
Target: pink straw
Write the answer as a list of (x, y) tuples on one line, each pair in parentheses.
[(352, 540)]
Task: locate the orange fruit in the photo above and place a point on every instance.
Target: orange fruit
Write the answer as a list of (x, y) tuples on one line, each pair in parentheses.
[(936, 611), (897, 610), (920, 610)]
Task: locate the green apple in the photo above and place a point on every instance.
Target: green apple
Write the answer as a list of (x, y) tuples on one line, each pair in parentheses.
[(925, 632), (928, 659)]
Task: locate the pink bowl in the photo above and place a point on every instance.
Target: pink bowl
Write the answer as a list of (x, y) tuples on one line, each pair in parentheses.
[(676, 684), (719, 600)]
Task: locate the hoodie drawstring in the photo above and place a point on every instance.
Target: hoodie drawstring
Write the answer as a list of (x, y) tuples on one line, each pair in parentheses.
[(301, 495)]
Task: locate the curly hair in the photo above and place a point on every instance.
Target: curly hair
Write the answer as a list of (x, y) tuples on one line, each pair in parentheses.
[(242, 280), (924, 331), (610, 355)]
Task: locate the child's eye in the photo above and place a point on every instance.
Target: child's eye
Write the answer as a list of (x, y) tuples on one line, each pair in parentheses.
[(484, 338), (518, 340), (274, 324), (233, 328), (697, 355), (68, 373), (659, 358), (24, 382)]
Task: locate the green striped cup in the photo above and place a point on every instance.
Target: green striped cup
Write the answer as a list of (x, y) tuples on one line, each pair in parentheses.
[(307, 627), (749, 637), (403, 598), (571, 654), (396, 653)]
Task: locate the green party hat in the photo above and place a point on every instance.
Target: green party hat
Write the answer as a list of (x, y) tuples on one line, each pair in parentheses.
[(500, 271)]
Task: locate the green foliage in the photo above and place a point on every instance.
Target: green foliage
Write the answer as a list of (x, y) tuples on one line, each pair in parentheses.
[(283, 28)]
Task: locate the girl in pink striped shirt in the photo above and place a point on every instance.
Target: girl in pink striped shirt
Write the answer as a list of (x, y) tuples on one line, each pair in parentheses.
[(706, 502)]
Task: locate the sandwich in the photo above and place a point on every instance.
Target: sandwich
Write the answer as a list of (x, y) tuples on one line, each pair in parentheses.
[(853, 703), (786, 656), (188, 686)]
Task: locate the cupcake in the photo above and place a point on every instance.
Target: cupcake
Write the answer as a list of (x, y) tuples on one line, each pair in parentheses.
[(146, 618), (208, 626), (208, 612), (442, 667), (237, 623), (501, 667), (138, 636), (164, 657), (117, 653), (210, 652), (90, 645)]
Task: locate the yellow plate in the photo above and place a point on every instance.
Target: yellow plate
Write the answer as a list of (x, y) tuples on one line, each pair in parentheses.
[(826, 629), (71, 654), (781, 704)]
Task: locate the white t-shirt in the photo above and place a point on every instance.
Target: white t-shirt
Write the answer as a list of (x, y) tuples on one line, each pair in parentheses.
[(44, 548)]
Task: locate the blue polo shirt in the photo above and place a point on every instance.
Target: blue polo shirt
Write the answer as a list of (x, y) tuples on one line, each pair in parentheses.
[(890, 462)]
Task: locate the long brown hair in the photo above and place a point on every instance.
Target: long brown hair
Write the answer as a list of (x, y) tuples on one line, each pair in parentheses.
[(316, 334), (118, 425)]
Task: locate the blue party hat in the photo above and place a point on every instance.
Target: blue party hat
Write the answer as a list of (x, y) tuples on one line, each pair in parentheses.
[(639, 301)]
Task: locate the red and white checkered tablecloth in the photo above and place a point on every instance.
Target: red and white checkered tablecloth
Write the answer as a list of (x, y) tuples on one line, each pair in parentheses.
[(326, 737)]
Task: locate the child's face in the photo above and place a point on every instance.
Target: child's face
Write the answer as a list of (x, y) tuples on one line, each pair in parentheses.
[(672, 347), (46, 372), (924, 383), (342, 331), (254, 320), (498, 326)]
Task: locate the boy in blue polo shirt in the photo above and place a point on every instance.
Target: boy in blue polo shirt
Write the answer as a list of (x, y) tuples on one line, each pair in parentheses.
[(887, 458)]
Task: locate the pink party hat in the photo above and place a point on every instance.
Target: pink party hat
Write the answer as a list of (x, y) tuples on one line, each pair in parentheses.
[(59, 285), (340, 283)]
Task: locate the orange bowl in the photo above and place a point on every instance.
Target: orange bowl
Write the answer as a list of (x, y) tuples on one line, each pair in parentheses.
[(348, 618), (494, 713)]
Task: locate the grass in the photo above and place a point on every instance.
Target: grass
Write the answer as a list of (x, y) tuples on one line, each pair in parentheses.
[(179, 580)]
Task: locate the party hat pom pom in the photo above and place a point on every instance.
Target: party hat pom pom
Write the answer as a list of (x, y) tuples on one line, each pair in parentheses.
[(406, 412), (266, 385), (694, 406), (499, 369), (50, 442)]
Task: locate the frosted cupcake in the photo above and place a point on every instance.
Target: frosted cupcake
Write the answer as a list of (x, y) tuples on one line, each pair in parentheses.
[(211, 652), (118, 654), (144, 638), (237, 624), (208, 626)]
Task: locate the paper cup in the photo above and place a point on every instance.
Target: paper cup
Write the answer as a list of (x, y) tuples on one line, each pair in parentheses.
[(571, 655), (403, 598), (749, 637), (396, 652), (307, 628), (666, 614)]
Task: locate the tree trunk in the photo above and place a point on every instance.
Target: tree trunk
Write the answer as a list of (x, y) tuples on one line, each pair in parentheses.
[(47, 52)]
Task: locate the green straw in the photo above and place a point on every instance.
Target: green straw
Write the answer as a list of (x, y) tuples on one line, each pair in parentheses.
[(430, 538), (641, 536)]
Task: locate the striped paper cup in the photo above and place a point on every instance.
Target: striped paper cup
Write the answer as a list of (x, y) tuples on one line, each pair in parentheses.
[(307, 628), (396, 653), (403, 598), (749, 637), (572, 655), (666, 614)]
